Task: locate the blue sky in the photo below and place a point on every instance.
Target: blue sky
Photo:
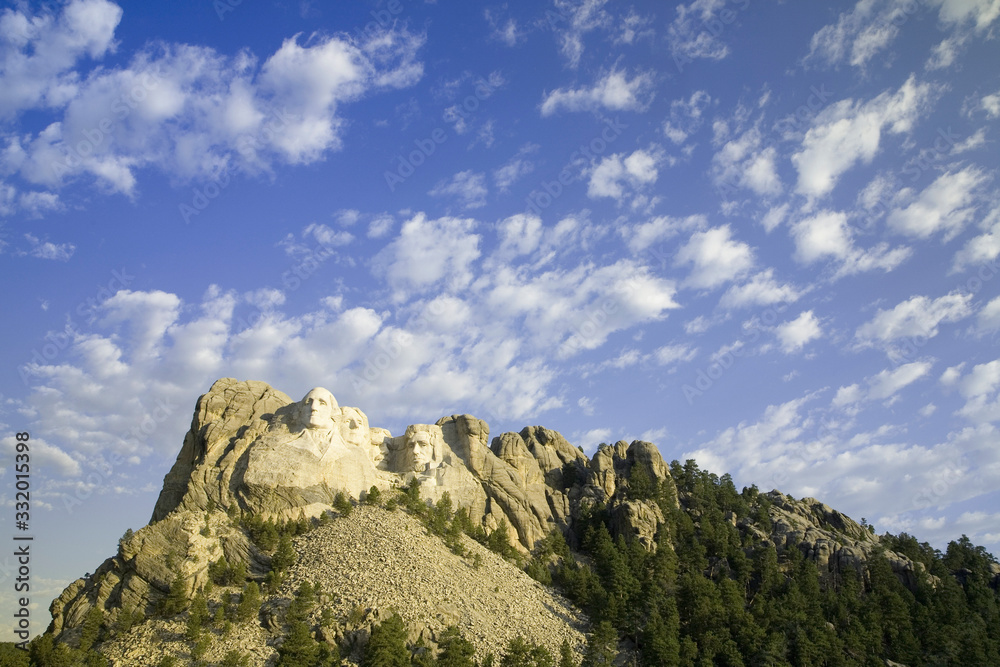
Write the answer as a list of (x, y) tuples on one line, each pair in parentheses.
[(761, 234)]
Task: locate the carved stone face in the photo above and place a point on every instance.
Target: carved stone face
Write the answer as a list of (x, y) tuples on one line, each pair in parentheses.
[(317, 409), (354, 427), (420, 450)]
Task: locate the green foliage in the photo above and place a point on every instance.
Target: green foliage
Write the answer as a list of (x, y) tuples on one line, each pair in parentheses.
[(91, 627), (568, 659), (342, 504), (456, 650), (11, 656), (176, 599), (197, 615), (284, 554), (200, 647), (167, 661), (234, 658), (601, 646), (712, 595), (387, 646), (250, 602), (299, 648), (520, 653), (374, 496)]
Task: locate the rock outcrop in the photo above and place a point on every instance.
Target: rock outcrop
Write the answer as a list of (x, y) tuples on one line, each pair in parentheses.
[(253, 451)]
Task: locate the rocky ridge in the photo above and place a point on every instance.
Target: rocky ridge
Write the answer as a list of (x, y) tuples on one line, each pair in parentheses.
[(533, 480)]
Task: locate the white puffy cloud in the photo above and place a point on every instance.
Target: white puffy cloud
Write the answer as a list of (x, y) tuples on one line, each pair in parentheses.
[(468, 187), (918, 316), (743, 162), (796, 333), (945, 205), (827, 235), (761, 290), (991, 105), (659, 229), (848, 132), (988, 318), (37, 53), (520, 234), (429, 253), (716, 258), (979, 388), (60, 252), (192, 112), (889, 382), (609, 176), (614, 92), (979, 14), (983, 249)]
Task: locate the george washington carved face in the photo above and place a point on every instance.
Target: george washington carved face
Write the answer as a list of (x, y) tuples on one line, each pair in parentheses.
[(316, 410)]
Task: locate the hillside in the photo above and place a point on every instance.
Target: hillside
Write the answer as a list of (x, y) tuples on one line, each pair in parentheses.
[(672, 564)]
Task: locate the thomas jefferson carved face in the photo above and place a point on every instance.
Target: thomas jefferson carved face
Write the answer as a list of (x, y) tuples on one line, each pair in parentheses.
[(317, 409), (354, 427)]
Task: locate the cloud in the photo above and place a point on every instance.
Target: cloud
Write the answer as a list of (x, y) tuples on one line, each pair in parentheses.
[(979, 388), (991, 105), (520, 234), (689, 35), (917, 317), (517, 167), (60, 252), (744, 163), (859, 35), (673, 354), (716, 258), (889, 382), (981, 250), (581, 17), (980, 14), (796, 333), (194, 113), (467, 186), (827, 236), (614, 92), (988, 319), (609, 177), (687, 116), (761, 290), (848, 132), (659, 229), (882, 385), (40, 51), (429, 253), (944, 205)]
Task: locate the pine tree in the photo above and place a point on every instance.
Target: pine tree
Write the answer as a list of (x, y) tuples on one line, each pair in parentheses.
[(387, 646), (456, 650), (566, 656), (91, 628), (250, 602), (601, 646), (299, 648)]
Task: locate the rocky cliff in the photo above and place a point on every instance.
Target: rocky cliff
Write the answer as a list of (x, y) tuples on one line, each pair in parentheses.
[(252, 451)]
